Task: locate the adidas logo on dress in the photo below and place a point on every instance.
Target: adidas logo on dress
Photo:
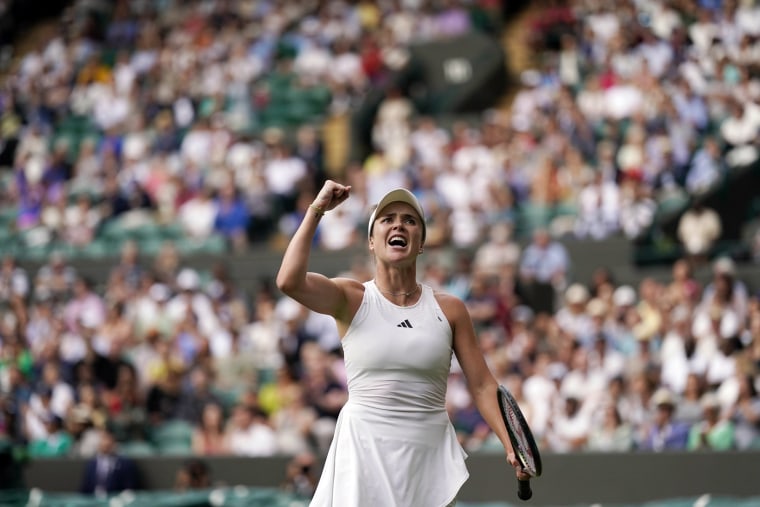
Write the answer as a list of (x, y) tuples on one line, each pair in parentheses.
[(405, 323)]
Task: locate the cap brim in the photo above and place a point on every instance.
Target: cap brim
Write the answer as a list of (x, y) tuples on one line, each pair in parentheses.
[(397, 195)]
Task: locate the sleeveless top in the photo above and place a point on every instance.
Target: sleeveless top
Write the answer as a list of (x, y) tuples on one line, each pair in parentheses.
[(394, 444)]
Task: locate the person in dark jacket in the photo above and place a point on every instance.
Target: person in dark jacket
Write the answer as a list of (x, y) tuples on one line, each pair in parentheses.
[(108, 472)]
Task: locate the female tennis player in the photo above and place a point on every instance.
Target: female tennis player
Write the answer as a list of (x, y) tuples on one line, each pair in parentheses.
[(393, 444)]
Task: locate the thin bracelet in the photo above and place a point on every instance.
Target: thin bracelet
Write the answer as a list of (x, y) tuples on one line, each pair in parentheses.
[(318, 212)]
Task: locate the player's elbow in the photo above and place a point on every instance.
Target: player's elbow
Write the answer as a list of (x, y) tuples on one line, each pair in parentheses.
[(287, 283), (483, 387)]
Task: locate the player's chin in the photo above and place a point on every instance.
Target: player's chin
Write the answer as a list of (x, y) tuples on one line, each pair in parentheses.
[(395, 251), (401, 258)]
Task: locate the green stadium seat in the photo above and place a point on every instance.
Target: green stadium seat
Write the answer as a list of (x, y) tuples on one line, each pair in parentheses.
[(146, 231), (274, 115), (6, 233), (175, 449), (34, 244), (671, 205), (173, 437), (137, 448), (532, 216), (171, 231), (113, 230), (8, 215), (96, 249), (151, 246), (319, 96), (214, 244)]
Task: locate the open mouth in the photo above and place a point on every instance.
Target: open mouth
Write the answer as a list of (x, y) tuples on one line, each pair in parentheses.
[(397, 241)]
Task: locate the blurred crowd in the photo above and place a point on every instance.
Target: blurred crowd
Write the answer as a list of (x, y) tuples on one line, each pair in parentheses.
[(158, 111), (631, 102), (626, 107), (168, 359)]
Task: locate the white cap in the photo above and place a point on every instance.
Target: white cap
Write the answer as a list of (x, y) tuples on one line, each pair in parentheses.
[(625, 295), (159, 292), (398, 195), (709, 400), (724, 266), (596, 307), (576, 294), (188, 279), (663, 396)]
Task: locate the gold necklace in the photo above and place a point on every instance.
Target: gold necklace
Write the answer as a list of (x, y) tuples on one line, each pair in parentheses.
[(409, 293)]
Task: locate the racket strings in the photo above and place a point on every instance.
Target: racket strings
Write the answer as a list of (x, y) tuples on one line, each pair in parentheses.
[(523, 449)]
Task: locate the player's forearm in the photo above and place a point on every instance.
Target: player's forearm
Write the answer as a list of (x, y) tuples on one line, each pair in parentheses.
[(295, 261), (486, 401)]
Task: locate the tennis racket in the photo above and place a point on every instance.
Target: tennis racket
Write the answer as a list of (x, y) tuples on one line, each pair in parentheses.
[(522, 440)]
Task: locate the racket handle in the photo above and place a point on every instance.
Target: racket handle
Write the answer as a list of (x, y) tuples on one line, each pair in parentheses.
[(523, 489)]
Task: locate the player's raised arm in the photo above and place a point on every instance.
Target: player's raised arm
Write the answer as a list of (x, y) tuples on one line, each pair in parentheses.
[(314, 290)]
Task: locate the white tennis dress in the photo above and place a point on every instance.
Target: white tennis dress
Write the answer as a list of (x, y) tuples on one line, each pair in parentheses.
[(394, 444)]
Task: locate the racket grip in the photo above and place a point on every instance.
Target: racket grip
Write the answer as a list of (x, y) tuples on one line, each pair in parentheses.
[(523, 490)]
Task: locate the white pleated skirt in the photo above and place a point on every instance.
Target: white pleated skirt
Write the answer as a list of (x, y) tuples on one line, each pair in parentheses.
[(377, 459)]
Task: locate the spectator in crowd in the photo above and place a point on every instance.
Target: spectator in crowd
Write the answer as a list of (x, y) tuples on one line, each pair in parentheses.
[(198, 214), (14, 283), (689, 408), (726, 289), (569, 429), (699, 228), (163, 398), (612, 435), (714, 431), (599, 208), (543, 271), (208, 437), (637, 207), (572, 319), (55, 277), (300, 476), (57, 442), (194, 474), (196, 395), (745, 413), (664, 433), (108, 471), (675, 351), (498, 255), (707, 167), (293, 421), (249, 433), (232, 216), (84, 433)]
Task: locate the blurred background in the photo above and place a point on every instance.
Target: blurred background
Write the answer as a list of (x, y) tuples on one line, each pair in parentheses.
[(590, 175)]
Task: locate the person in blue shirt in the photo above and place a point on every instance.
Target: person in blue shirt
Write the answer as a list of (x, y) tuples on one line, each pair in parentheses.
[(232, 216), (664, 433), (543, 271)]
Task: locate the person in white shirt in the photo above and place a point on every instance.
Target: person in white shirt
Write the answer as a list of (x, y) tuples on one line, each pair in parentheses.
[(698, 230), (569, 430), (197, 215), (250, 434)]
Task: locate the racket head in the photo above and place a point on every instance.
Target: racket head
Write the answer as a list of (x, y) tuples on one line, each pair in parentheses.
[(519, 433)]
